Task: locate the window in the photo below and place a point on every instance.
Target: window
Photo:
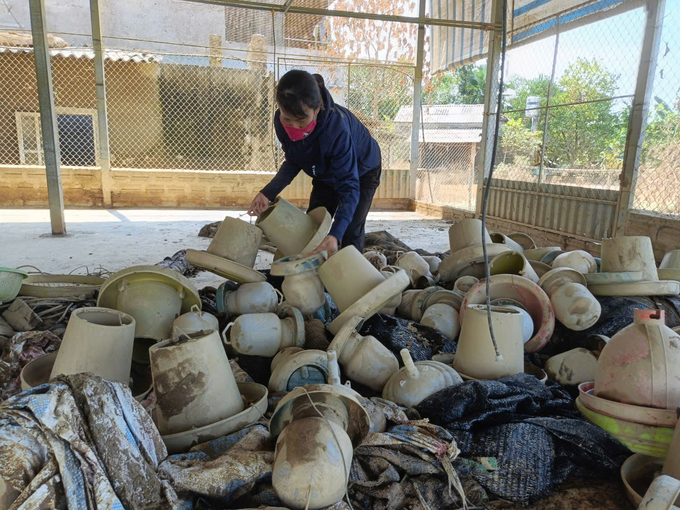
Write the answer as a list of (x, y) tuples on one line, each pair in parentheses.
[(30, 138), (77, 137)]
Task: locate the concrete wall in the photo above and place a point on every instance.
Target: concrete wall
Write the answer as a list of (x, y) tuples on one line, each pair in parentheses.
[(26, 186), (21, 94), (664, 231)]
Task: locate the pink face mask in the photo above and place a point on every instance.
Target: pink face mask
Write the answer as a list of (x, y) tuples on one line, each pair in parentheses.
[(296, 134)]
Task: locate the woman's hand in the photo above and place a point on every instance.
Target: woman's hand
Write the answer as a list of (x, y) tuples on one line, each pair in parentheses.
[(258, 205), (329, 244)]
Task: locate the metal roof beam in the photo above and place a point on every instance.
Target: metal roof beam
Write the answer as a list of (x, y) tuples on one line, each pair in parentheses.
[(292, 9)]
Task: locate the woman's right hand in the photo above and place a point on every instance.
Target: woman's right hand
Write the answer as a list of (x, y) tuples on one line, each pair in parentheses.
[(258, 205)]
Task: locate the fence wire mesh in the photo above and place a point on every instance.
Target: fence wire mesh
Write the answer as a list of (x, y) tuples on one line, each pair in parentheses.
[(658, 183), (206, 101), (580, 83), (203, 98), (450, 135)]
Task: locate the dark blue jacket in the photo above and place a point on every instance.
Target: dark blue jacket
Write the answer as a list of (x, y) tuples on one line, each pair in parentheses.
[(337, 152)]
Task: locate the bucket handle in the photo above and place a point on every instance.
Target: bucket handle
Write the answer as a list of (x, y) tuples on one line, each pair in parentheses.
[(178, 333), (281, 297), (196, 309), (225, 338)]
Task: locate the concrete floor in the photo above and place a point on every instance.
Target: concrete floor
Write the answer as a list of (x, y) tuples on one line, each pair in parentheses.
[(116, 239)]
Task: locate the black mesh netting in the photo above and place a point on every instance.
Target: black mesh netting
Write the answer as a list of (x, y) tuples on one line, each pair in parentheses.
[(396, 334), (617, 313), (391, 246), (532, 431)]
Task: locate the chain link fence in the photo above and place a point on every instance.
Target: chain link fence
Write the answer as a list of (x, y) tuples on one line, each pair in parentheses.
[(658, 183), (206, 102), (449, 139), (204, 99), (74, 99), (567, 104)]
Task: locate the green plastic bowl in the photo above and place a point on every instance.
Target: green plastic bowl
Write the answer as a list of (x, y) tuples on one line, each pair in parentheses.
[(10, 283), (639, 438)]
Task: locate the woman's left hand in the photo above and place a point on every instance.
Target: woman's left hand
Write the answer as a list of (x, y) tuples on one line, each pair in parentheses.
[(329, 244)]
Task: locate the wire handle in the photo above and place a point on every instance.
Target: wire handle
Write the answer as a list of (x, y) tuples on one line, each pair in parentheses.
[(225, 338), (281, 296)]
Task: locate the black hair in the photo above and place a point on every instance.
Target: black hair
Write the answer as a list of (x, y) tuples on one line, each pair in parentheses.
[(297, 88)]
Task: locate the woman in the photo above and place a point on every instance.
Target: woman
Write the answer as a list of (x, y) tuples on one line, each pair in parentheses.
[(334, 148)]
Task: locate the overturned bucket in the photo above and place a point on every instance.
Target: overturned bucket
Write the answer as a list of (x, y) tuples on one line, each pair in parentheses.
[(97, 340)]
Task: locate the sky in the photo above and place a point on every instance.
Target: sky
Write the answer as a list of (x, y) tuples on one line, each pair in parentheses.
[(615, 42)]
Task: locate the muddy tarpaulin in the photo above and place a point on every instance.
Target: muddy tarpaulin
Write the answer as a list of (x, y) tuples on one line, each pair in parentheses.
[(81, 443), (234, 471), (21, 350), (226, 468), (409, 464), (532, 431)]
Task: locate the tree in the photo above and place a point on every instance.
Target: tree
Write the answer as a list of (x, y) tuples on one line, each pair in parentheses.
[(663, 130), (587, 135), (470, 83), (465, 85), (519, 141), (372, 101), (524, 88), (580, 134), (441, 89), (376, 91)]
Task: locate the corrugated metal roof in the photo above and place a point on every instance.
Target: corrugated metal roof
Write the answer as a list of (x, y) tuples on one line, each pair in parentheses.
[(88, 53), (450, 135), (444, 114)]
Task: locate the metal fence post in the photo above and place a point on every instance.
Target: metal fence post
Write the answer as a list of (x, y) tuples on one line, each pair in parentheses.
[(48, 116), (417, 102), (102, 111), (493, 65), (547, 102), (640, 111), (349, 88)]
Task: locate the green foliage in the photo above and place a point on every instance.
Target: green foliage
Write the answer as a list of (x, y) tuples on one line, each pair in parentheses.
[(378, 92), (579, 135), (524, 88), (471, 83), (590, 135), (441, 90), (663, 131), (519, 141), (465, 85)]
